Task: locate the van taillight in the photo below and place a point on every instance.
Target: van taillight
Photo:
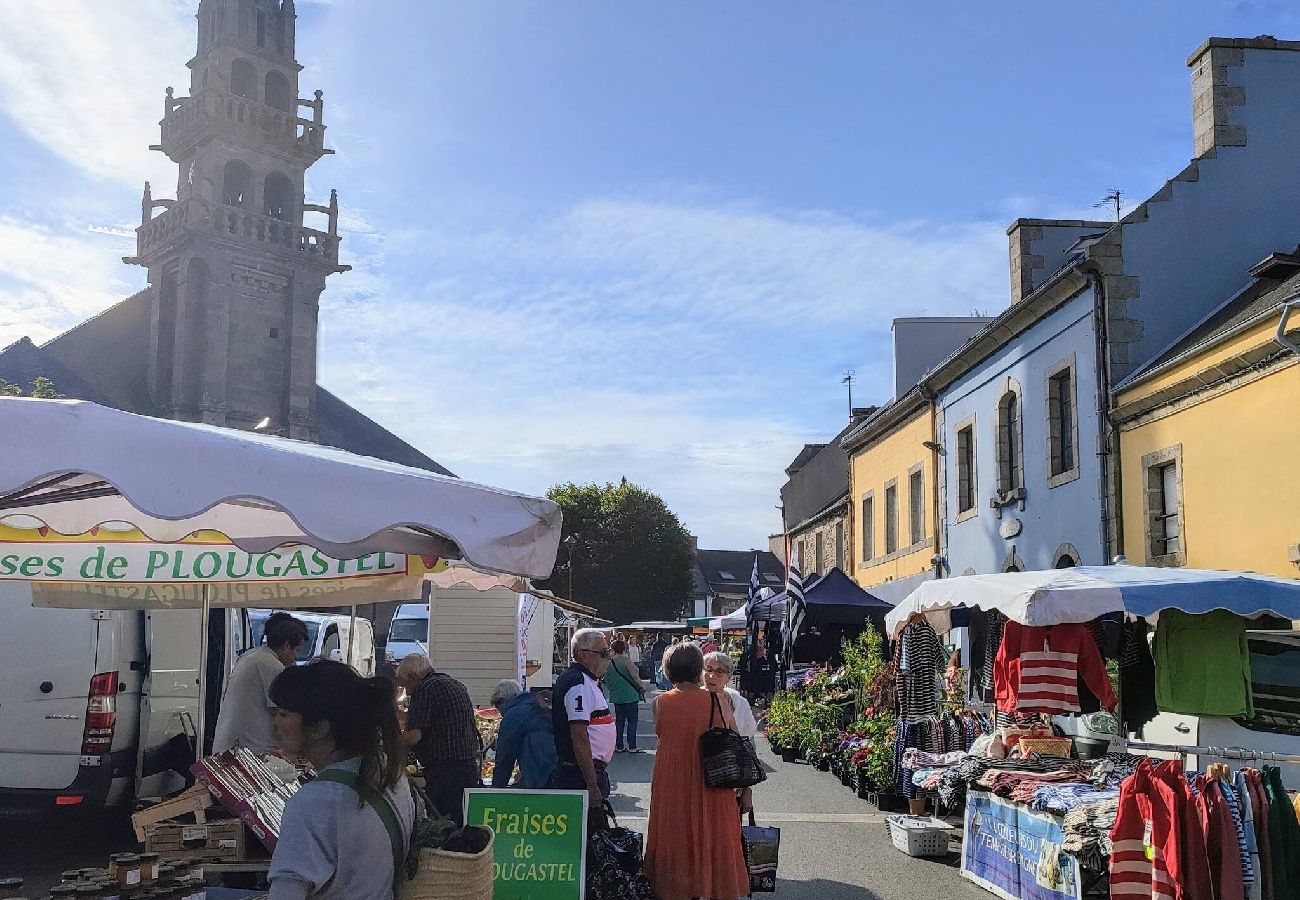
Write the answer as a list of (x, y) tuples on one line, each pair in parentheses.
[(101, 715)]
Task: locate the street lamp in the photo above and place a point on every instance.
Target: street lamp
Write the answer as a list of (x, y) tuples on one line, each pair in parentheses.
[(570, 543)]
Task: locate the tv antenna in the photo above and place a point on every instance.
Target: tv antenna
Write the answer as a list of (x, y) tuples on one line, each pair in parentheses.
[(848, 379), (1115, 198)]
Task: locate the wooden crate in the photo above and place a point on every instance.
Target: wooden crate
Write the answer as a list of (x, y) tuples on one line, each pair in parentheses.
[(222, 839), (195, 801)]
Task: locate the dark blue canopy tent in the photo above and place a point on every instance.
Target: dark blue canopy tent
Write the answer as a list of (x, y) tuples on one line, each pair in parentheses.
[(837, 608)]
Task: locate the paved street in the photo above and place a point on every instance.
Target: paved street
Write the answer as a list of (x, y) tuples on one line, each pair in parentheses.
[(833, 845)]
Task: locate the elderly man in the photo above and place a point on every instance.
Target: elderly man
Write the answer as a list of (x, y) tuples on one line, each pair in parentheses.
[(440, 730), (245, 716), (583, 723)]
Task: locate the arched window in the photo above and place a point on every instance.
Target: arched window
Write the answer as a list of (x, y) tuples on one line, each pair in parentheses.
[(236, 184), (243, 79), (277, 197), (276, 91), (1010, 462)]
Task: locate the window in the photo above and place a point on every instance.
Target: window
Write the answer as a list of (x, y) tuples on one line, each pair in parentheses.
[(916, 506), (243, 79), (868, 528), (1162, 485), (331, 643), (771, 579), (1167, 532), (726, 576), (891, 517), (839, 545), (1010, 467), (275, 91), (817, 552), (1062, 430), (277, 197), (1275, 681), (236, 184), (966, 468)]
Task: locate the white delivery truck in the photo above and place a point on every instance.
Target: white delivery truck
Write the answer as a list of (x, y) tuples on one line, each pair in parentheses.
[(100, 707)]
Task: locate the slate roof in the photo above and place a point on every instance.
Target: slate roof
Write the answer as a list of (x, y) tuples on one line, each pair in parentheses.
[(104, 360), (1257, 299), (740, 564)]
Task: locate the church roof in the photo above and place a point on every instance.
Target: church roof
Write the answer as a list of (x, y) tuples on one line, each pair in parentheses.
[(103, 360)]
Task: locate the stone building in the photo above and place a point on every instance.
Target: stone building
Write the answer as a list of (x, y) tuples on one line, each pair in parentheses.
[(226, 332)]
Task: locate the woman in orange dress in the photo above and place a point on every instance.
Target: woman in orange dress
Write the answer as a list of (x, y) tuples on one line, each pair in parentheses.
[(694, 848)]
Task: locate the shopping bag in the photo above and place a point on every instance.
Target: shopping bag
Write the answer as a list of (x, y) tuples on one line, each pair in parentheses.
[(614, 857), (762, 846)]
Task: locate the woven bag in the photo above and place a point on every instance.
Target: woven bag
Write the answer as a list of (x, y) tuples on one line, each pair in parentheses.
[(443, 875), (727, 759)]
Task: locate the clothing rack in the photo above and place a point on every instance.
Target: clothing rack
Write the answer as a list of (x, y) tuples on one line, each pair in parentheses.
[(1235, 753)]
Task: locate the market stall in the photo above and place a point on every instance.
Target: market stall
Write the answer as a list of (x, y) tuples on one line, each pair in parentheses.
[(73, 467)]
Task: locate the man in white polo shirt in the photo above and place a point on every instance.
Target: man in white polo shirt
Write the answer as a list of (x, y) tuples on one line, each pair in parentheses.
[(583, 722)]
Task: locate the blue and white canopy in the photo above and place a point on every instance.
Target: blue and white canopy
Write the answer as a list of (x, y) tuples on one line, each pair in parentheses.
[(1057, 596)]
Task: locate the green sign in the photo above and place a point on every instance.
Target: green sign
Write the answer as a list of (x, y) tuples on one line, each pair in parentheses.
[(541, 841)]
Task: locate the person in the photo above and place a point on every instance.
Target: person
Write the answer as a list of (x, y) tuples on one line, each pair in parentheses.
[(626, 693), (440, 730), (334, 842), (718, 669), (244, 719), (505, 690), (693, 846), (707, 646), (634, 653), (657, 650), (583, 724), (527, 739)]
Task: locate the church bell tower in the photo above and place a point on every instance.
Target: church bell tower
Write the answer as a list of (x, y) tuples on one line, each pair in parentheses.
[(235, 273)]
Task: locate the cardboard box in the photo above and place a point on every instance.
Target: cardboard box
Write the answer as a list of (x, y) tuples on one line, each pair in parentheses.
[(222, 839)]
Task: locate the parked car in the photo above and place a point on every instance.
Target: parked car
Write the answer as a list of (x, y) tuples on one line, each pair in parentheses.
[(409, 631), (328, 637)]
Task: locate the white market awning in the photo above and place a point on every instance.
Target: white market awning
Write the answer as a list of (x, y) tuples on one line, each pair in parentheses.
[(73, 466)]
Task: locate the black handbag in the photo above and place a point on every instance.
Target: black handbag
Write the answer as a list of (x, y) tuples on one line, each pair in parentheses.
[(728, 761), (762, 847), (614, 863)]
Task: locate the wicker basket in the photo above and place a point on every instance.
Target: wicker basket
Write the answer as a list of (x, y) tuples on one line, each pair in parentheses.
[(1046, 746), (443, 875)]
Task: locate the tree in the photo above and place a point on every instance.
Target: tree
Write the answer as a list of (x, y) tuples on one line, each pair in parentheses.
[(42, 389), (628, 555)]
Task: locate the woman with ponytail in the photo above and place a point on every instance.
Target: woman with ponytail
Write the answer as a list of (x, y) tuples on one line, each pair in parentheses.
[(343, 834)]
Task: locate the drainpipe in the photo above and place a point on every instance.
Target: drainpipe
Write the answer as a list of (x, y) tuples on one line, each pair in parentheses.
[(1106, 435), (1292, 304), (937, 454)]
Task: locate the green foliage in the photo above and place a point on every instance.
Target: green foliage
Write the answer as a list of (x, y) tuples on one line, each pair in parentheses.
[(631, 557), (42, 389)]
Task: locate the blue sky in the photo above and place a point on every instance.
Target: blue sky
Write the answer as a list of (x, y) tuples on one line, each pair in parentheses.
[(596, 239)]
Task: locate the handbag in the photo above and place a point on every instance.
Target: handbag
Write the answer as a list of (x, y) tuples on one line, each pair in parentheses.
[(762, 846), (727, 760), (614, 863)]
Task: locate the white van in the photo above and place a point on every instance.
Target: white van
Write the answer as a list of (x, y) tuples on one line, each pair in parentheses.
[(96, 706), (1275, 727), (329, 636), (409, 631)]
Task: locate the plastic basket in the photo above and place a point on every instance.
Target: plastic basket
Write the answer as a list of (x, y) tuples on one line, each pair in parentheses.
[(919, 835)]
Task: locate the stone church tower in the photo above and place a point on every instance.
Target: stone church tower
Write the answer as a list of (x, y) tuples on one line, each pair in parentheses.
[(235, 275)]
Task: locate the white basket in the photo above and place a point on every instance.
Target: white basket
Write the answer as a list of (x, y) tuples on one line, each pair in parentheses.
[(919, 835)]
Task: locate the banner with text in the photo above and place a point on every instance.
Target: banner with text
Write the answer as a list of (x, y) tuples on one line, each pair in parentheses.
[(541, 841), (1015, 852)]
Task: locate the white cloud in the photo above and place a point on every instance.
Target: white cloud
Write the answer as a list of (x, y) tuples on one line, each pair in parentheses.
[(82, 78), (685, 348)]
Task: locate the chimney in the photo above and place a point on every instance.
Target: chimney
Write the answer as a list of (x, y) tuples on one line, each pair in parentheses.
[(1039, 248)]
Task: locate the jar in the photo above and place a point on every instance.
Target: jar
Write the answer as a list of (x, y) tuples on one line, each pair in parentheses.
[(72, 876), (87, 891), (149, 866), (108, 890), (128, 870), (67, 889), (196, 872)]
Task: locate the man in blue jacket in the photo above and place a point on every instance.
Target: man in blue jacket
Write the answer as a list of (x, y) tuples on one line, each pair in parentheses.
[(525, 737)]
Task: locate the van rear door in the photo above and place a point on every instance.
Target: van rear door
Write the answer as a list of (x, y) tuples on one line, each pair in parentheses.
[(170, 698), (47, 659)]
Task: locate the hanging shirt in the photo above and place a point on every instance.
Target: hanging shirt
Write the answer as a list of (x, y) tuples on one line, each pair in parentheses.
[(1203, 664), (1038, 669), (918, 661), (1255, 888), (1144, 855)]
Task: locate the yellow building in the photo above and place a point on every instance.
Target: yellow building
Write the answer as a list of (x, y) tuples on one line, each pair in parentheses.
[(893, 497), (1209, 439)]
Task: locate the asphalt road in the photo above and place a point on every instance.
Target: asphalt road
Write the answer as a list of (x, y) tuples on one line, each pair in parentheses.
[(833, 845)]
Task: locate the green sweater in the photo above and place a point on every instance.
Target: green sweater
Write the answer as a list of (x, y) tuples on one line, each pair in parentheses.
[(620, 688), (1203, 664)]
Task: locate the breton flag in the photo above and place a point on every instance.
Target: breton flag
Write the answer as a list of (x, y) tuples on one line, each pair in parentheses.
[(795, 608), (751, 626)]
